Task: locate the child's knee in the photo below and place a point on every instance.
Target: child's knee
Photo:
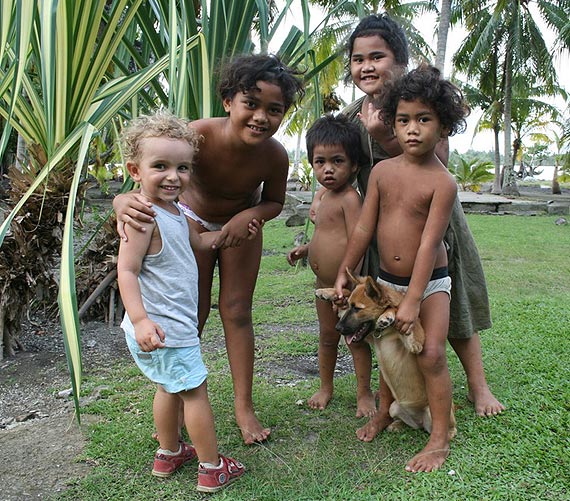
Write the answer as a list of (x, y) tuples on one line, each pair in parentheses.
[(432, 360), (236, 312), (329, 343)]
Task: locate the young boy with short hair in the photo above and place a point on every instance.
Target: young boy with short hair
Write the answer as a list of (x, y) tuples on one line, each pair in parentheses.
[(158, 280), (333, 149), (408, 204)]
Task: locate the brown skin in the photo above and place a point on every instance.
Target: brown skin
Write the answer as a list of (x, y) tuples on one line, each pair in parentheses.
[(372, 63), (334, 211), (237, 155), (410, 224), (468, 350), (335, 214)]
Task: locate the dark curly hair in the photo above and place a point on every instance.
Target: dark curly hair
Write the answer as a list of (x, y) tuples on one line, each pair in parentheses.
[(426, 85), (335, 130), (381, 25), (241, 73)]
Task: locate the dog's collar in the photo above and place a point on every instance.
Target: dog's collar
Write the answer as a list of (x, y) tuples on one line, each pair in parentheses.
[(377, 334)]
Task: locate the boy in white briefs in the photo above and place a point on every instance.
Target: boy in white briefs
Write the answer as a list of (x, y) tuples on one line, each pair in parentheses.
[(408, 205)]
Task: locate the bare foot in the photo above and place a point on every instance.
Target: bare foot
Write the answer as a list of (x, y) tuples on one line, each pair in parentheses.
[(377, 423), (251, 429), (365, 404), (320, 400), (429, 459), (485, 402)]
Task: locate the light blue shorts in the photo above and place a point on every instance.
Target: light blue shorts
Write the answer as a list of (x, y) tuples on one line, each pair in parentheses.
[(175, 369)]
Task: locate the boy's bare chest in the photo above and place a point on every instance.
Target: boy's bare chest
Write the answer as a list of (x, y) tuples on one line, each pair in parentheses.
[(329, 213), (224, 173), (413, 199)]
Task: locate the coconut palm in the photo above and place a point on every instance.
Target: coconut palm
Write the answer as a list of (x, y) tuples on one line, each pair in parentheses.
[(561, 142), (531, 117), (511, 28), (444, 22), (487, 95)]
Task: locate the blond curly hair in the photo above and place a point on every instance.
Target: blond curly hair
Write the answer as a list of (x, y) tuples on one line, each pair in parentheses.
[(162, 123)]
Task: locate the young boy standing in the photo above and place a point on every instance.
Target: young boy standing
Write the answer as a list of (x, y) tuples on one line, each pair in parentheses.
[(408, 204), (333, 148), (378, 52), (158, 280), (239, 176)]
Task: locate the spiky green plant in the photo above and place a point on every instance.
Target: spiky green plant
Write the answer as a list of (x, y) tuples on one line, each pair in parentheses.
[(73, 68), (60, 81), (470, 175)]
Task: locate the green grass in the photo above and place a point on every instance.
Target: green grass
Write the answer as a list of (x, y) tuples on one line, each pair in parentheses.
[(522, 454)]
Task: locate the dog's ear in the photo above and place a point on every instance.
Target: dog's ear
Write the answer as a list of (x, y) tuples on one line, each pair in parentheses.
[(372, 289), (391, 297)]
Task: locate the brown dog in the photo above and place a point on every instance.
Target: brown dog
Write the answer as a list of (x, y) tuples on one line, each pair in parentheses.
[(372, 309)]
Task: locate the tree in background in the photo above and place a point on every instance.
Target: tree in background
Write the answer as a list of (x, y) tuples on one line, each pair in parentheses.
[(510, 29), (561, 142), (530, 119), (444, 22), (486, 94)]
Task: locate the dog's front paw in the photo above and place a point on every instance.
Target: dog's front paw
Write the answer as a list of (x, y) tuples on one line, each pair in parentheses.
[(328, 294), (385, 321)]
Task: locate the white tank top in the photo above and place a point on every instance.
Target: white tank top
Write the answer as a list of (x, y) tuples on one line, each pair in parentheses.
[(169, 283)]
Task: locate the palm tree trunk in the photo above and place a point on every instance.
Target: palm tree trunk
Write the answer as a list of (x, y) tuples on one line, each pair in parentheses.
[(297, 159), (497, 160), (443, 30), (509, 180), (555, 184)]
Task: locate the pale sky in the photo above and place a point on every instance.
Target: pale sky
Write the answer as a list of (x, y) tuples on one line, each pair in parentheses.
[(483, 141)]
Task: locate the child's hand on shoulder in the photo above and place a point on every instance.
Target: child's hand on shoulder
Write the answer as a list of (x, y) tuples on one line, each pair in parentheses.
[(134, 210), (149, 335)]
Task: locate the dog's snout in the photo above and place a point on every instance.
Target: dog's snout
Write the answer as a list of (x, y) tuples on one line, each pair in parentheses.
[(341, 327)]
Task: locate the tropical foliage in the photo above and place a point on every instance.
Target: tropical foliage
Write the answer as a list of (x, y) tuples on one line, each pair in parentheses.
[(71, 72), (470, 175), (510, 31)]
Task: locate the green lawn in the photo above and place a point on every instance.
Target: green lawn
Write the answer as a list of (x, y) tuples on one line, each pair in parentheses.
[(522, 454)]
